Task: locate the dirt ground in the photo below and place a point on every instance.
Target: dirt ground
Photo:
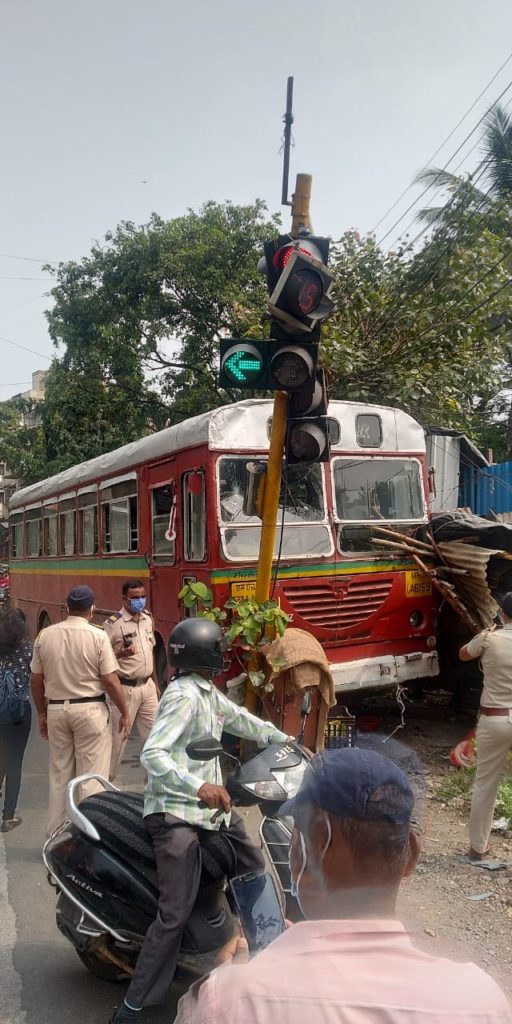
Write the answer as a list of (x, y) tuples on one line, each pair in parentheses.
[(438, 903)]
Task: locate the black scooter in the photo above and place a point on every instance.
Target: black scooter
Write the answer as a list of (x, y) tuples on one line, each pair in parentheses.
[(101, 862)]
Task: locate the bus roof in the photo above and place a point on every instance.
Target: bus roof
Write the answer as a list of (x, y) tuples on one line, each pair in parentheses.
[(239, 426)]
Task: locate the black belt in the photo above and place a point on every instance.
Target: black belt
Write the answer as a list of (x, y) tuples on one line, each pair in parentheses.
[(78, 700), (132, 682)]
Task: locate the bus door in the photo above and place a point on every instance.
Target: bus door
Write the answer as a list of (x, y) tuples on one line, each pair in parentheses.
[(163, 496)]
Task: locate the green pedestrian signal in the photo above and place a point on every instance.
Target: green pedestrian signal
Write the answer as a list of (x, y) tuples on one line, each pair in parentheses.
[(243, 364)]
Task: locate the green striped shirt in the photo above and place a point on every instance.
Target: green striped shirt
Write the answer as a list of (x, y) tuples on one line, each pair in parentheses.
[(190, 708)]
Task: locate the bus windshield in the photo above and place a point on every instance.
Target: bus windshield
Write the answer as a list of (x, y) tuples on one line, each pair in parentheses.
[(374, 489), (302, 500)]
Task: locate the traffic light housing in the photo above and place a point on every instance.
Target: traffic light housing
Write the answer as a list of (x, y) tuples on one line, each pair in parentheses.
[(299, 285), (307, 436)]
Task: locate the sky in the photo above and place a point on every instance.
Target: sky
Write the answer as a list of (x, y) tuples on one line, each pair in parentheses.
[(113, 109)]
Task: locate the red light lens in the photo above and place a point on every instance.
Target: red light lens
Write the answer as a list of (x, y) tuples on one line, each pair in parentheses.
[(282, 255)]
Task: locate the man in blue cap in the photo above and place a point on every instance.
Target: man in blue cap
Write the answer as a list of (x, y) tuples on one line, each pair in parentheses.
[(350, 961), (73, 666)]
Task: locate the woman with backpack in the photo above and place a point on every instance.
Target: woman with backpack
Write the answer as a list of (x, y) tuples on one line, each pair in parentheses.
[(15, 708)]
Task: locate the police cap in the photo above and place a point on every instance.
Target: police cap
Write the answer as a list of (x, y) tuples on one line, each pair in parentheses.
[(80, 599)]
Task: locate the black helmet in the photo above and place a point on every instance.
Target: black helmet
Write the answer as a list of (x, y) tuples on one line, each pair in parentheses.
[(197, 645)]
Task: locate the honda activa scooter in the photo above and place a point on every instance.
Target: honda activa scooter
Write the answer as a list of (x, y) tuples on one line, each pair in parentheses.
[(102, 864)]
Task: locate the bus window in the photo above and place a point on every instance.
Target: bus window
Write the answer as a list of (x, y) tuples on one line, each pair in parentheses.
[(88, 523), (305, 534), (119, 516), (194, 517), (377, 488), (33, 529), (50, 530), (164, 550), (67, 518), (16, 521)]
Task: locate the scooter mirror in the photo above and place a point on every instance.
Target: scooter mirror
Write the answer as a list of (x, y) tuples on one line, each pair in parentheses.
[(204, 749)]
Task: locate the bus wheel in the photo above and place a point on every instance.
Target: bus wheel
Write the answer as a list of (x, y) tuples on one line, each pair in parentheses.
[(44, 621), (161, 663)]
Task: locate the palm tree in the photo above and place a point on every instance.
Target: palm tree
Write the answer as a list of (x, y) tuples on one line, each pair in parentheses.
[(494, 171)]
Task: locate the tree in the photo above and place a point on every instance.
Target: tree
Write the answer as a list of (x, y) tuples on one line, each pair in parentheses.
[(145, 311), (416, 331), (494, 173), (22, 447)]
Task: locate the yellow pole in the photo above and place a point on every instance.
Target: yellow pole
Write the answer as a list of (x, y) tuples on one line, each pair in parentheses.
[(271, 496), (300, 218), (300, 203)]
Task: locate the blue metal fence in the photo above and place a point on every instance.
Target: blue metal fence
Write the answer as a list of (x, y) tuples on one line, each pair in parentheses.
[(489, 488)]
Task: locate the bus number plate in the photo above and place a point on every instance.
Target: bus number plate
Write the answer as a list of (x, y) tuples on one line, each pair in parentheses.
[(417, 584), (245, 589)]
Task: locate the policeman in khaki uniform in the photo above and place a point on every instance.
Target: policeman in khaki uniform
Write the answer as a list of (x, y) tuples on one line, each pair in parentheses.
[(131, 634), (494, 729), (72, 667)]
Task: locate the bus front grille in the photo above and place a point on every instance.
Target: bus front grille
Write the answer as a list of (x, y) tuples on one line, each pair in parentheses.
[(338, 603)]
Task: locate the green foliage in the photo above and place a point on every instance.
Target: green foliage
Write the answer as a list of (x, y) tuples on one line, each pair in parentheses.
[(407, 332), (155, 299), (252, 624), (458, 786)]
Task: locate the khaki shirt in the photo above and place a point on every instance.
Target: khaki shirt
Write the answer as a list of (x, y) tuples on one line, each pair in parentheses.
[(140, 633), (495, 650), (73, 656)]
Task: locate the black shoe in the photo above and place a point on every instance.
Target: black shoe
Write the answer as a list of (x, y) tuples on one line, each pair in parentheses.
[(124, 1015)]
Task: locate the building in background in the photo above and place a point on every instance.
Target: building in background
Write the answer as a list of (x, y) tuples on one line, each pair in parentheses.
[(9, 483)]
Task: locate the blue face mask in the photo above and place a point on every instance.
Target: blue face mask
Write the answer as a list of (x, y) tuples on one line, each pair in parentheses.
[(137, 604)]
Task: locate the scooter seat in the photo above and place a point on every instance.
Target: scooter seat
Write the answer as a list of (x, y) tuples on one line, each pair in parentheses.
[(118, 817)]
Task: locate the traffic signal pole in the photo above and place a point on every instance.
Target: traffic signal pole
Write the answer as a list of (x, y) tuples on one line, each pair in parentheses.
[(271, 496), (300, 217)]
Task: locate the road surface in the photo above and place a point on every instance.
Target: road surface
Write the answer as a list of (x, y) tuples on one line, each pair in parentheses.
[(42, 980)]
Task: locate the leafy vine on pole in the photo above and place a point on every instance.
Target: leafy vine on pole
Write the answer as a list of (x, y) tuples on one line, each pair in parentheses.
[(249, 625)]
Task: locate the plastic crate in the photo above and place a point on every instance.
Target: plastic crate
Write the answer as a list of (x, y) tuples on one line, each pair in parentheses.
[(340, 730)]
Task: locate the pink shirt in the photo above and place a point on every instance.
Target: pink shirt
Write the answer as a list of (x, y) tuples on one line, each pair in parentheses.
[(345, 972)]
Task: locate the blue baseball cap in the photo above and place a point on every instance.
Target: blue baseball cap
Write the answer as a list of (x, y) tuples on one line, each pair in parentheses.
[(80, 599), (347, 782)]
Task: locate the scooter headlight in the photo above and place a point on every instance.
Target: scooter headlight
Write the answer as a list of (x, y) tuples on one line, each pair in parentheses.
[(291, 778), (267, 790)]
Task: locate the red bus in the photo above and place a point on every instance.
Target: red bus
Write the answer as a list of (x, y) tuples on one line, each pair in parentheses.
[(169, 509)]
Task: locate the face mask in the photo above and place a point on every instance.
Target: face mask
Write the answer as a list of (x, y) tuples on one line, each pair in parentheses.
[(137, 604), (294, 887)]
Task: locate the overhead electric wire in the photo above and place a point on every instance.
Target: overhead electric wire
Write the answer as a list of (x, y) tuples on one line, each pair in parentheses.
[(17, 344), (394, 298), (447, 139), (27, 259), (445, 166)]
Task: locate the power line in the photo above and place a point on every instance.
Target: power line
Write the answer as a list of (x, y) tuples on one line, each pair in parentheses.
[(28, 259), (16, 344), (444, 167), (394, 298), (24, 302), (447, 139)]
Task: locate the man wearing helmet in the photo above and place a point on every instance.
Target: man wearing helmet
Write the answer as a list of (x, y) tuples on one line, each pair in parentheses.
[(182, 797)]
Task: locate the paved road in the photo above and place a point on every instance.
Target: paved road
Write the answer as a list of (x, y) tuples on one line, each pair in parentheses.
[(42, 980)]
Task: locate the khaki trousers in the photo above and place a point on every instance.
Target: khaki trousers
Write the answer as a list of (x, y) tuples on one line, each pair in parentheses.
[(142, 704), (494, 741), (79, 742)]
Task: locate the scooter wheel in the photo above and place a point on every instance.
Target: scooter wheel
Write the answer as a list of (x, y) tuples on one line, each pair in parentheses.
[(100, 968)]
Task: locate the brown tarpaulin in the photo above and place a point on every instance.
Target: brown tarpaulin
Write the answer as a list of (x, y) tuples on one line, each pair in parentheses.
[(306, 665)]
